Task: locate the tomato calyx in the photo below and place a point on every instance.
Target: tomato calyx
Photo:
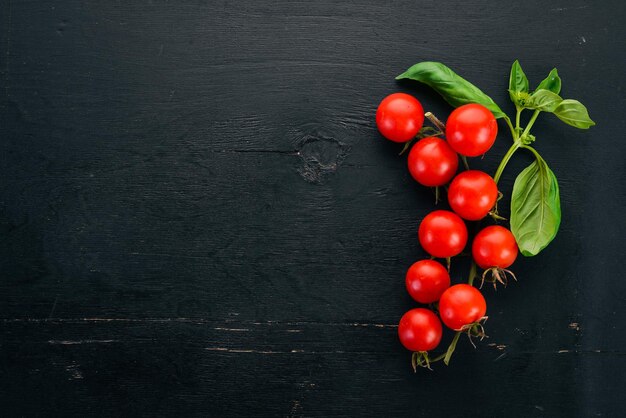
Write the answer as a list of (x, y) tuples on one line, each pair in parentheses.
[(494, 212), (494, 215), (496, 275), (420, 359), (475, 330)]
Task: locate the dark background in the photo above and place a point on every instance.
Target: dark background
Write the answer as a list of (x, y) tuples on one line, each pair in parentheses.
[(199, 218)]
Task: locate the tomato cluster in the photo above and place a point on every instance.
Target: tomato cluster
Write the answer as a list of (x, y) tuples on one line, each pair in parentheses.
[(433, 161)]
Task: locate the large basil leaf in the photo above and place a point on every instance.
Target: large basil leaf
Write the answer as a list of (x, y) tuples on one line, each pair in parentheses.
[(517, 80), (552, 82), (574, 113), (535, 208), (455, 90), (545, 100)]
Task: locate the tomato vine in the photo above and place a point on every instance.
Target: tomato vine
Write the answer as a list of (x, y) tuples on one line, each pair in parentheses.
[(535, 211)]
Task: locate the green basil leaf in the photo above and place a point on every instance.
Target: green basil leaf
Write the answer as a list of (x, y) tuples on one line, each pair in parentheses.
[(455, 90), (535, 208), (574, 113), (545, 100), (552, 82), (517, 79)]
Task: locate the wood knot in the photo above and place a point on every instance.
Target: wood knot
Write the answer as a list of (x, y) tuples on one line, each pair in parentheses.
[(320, 156)]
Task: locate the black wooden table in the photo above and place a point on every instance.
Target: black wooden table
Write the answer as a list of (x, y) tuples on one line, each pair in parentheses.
[(199, 218)]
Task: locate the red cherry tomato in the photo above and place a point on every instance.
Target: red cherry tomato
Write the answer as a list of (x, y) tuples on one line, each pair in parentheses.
[(472, 194), (426, 280), (494, 246), (442, 234), (471, 129), (399, 117), (419, 330), (461, 305), (432, 162)]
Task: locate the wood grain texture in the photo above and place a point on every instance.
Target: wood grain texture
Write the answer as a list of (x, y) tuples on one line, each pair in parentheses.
[(199, 218)]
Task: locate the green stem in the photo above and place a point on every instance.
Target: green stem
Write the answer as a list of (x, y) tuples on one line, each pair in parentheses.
[(472, 273), (534, 151), (451, 348), (438, 358), (407, 145), (517, 144), (508, 122), (506, 159), (530, 123)]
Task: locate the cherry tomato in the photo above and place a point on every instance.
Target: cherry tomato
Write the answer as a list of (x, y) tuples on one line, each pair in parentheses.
[(419, 330), (426, 280), (471, 129), (442, 234), (494, 246), (432, 162), (461, 305), (399, 117), (472, 194)]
